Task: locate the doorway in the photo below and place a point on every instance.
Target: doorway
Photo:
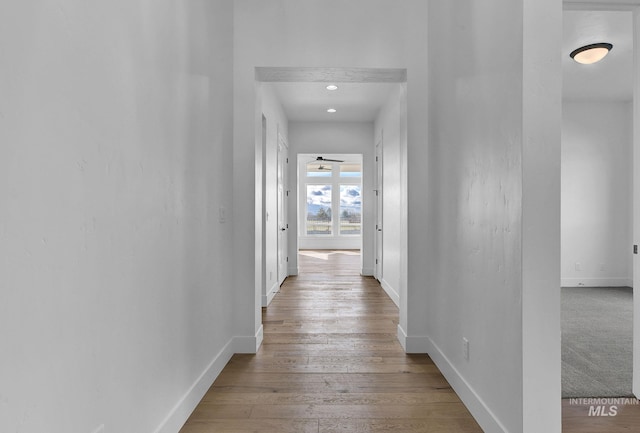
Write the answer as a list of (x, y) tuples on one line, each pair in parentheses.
[(598, 203)]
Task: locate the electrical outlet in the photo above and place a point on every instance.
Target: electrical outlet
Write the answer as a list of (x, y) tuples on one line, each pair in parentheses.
[(270, 275), (578, 266), (222, 214), (465, 348)]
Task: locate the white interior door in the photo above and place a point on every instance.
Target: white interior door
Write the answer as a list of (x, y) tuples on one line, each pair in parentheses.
[(283, 193), (378, 233)]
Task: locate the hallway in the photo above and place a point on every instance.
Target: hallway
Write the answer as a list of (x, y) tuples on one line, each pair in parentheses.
[(330, 362)]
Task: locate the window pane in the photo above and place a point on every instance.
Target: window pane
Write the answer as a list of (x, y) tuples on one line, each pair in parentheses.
[(318, 209), (350, 210), (350, 170), (316, 169)]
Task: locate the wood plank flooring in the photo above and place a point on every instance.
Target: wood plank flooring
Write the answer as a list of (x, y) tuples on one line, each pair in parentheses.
[(330, 362), (576, 419)]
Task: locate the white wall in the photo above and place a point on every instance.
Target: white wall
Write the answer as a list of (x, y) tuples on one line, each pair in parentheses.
[(114, 269), (334, 138), (277, 123), (493, 202), (597, 194), (388, 130)]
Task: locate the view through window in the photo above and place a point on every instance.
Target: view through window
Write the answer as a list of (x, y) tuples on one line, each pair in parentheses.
[(334, 199)]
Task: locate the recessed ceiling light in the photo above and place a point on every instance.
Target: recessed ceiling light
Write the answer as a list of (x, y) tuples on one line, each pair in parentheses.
[(332, 87), (591, 53), (331, 110)]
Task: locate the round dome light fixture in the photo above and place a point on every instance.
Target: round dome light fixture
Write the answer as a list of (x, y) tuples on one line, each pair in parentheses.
[(592, 53), (331, 110), (332, 87)]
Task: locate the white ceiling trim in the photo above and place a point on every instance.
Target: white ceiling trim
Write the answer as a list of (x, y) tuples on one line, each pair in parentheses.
[(330, 75)]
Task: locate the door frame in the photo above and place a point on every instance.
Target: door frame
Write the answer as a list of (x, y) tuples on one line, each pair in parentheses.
[(634, 8), (378, 238)]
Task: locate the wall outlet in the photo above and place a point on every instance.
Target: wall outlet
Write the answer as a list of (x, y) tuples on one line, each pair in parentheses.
[(222, 214), (578, 266), (465, 348), (270, 275)]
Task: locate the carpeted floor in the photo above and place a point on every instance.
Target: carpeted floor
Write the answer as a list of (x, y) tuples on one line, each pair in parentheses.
[(597, 341)]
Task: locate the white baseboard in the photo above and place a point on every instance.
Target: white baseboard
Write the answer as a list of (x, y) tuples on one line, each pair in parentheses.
[(412, 344), (482, 414), (292, 271), (393, 294), (597, 282), (266, 299), (185, 406), (366, 272), (249, 344)]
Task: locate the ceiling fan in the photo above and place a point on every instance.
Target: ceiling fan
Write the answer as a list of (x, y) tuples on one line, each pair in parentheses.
[(322, 167), (320, 158)]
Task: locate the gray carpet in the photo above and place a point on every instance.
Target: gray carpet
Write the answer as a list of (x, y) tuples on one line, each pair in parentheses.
[(597, 345)]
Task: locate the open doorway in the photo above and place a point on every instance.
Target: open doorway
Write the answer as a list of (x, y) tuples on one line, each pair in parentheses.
[(322, 172), (597, 206)]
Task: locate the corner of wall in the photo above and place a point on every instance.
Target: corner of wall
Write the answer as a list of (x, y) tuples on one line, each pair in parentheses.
[(412, 343), (249, 344)]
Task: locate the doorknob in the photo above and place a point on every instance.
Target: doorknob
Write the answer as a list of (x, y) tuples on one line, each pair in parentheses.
[(283, 229)]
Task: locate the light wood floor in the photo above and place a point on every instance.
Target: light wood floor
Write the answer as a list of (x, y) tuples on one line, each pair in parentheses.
[(330, 362), (576, 419)]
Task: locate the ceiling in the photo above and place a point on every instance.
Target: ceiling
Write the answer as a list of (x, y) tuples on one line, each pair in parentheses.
[(609, 80), (612, 78), (354, 102)]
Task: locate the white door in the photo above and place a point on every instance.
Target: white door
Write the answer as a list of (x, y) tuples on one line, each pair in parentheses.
[(378, 233), (283, 193)]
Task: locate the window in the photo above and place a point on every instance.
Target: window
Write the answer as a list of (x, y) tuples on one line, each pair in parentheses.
[(350, 210), (333, 198), (319, 170), (318, 219)]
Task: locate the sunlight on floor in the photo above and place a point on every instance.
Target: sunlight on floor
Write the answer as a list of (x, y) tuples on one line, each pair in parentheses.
[(324, 255)]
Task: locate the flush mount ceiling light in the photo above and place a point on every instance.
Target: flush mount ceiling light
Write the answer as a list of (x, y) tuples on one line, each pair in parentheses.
[(591, 53), (331, 110), (332, 87)]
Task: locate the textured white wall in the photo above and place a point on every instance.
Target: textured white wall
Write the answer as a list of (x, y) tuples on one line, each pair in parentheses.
[(334, 138), (116, 153), (493, 169), (597, 194)]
